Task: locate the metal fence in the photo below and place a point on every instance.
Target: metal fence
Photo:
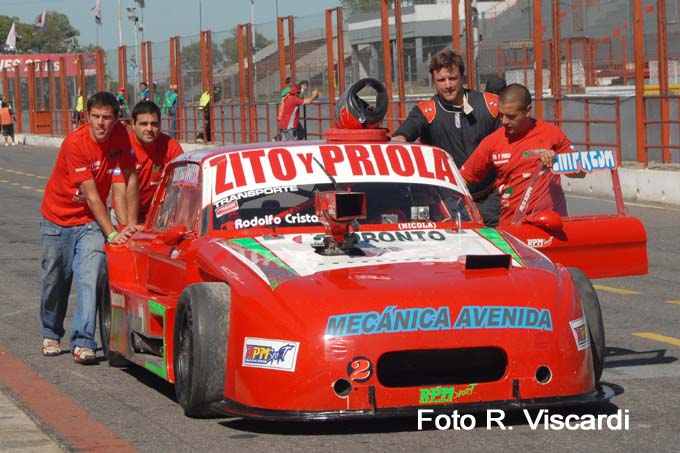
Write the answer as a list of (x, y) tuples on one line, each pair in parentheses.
[(573, 56)]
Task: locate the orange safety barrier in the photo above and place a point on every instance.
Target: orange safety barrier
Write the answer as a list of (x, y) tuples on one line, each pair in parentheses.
[(42, 122)]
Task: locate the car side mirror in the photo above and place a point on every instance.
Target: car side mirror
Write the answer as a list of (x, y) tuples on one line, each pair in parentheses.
[(173, 235), (548, 220)]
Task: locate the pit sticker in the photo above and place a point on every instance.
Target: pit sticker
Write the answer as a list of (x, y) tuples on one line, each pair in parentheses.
[(578, 328), (584, 161), (273, 354), (225, 207), (186, 175), (539, 243), (443, 395)]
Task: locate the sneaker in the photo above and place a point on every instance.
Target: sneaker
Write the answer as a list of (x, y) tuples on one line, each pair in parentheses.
[(6, 144), (50, 347), (84, 356)]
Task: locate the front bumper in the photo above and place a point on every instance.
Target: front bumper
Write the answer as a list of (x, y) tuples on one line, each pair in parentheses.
[(232, 408)]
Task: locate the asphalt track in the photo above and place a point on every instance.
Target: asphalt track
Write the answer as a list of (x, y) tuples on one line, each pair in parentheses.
[(107, 409)]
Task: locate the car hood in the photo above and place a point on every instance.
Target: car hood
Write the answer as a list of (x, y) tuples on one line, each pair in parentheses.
[(402, 281), (281, 258)]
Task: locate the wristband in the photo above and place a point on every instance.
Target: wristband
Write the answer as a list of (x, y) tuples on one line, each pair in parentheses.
[(111, 236)]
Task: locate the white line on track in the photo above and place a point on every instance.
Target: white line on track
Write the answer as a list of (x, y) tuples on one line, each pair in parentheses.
[(627, 203)]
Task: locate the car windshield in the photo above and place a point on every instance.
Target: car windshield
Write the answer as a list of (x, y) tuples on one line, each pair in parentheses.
[(385, 203)]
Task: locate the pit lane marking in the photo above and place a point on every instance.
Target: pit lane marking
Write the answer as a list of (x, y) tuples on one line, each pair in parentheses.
[(610, 289), (658, 337), (22, 173), (16, 184)]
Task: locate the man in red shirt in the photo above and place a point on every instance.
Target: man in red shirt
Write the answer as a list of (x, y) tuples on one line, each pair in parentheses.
[(289, 115), (76, 224), (519, 151), (152, 151)]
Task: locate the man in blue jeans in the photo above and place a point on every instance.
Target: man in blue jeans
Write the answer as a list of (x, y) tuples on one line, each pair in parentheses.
[(76, 224)]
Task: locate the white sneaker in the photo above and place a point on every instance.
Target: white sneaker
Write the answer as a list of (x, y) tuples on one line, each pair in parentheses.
[(13, 144), (6, 144)]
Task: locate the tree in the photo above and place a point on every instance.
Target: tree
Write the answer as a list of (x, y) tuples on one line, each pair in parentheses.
[(58, 36), (230, 45), (191, 56), (361, 6), (90, 48)]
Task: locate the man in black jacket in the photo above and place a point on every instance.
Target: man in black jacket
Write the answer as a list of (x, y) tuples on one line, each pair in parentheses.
[(456, 119)]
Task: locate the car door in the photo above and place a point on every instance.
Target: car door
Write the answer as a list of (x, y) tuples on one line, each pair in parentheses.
[(601, 245), (174, 223)]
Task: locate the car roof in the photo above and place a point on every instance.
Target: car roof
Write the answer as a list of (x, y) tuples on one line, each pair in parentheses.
[(200, 155)]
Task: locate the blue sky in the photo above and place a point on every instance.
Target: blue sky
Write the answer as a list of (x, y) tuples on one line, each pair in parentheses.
[(165, 18)]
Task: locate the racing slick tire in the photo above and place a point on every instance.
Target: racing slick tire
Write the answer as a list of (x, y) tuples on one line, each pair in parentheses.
[(200, 352), (115, 359), (591, 309)]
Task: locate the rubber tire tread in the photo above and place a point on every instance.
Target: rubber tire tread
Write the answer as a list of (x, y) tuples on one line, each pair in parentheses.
[(209, 304), (593, 313)]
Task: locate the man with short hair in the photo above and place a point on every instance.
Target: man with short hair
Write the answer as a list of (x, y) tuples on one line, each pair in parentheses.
[(7, 122), (514, 153), (204, 124), (286, 89), (456, 120), (495, 85), (301, 131), (144, 94), (289, 112), (76, 224), (152, 151), (124, 109), (156, 94), (170, 108)]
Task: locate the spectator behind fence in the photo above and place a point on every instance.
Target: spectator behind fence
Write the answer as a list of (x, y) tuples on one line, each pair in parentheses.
[(152, 152), (77, 115), (514, 153), (170, 108), (156, 95), (124, 108), (286, 89), (76, 224), (456, 120), (144, 94), (204, 126), (7, 122), (301, 131), (495, 85), (289, 112)]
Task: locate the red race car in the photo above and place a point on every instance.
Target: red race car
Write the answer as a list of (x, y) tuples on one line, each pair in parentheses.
[(352, 277)]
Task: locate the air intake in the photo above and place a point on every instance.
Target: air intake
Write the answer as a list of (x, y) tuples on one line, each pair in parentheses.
[(441, 366)]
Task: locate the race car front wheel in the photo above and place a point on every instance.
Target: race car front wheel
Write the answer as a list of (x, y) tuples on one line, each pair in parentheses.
[(593, 314), (200, 356)]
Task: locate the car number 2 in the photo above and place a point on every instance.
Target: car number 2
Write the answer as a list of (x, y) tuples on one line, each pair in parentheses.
[(360, 369)]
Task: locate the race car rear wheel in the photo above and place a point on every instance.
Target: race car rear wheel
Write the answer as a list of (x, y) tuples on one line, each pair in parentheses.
[(115, 359), (200, 356), (593, 314)]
